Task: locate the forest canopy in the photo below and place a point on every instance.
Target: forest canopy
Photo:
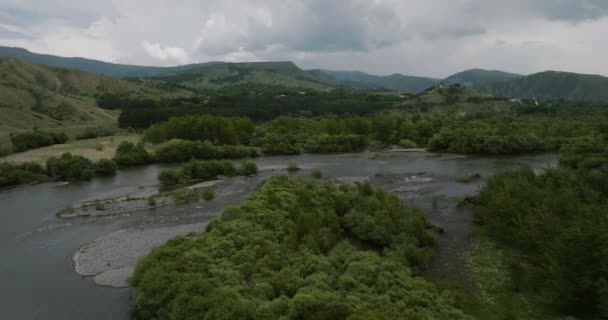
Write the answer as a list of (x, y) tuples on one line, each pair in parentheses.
[(297, 249)]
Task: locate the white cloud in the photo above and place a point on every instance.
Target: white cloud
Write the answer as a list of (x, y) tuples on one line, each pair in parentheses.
[(171, 55)]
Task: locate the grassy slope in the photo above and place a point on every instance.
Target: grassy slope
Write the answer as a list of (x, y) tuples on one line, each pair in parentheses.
[(37, 96), (94, 149)]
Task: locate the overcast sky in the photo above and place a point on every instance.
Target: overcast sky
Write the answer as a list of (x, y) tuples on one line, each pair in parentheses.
[(417, 37)]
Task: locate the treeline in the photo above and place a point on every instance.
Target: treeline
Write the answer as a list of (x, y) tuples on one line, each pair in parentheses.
[(257, 103), (297, 249), (70, 167), (67, 167), (197, 171), (180, 151), (294, 135), (218, 130), (36, 139), (331, 133)]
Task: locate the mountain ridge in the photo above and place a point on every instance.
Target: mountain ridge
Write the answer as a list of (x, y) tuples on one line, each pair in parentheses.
[(549, 84)]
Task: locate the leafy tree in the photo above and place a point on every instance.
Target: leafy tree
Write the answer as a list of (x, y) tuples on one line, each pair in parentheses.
[(129, 154), (70, 167)]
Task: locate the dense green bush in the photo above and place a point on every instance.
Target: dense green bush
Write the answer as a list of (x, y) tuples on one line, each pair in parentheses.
[(105, 167), (248, 167), (129, 154), (297, 249), (195, 171), (180, 151), (36, 139), (11, 174), (336, 143), (219, 130), (70, 167), (556, 222)]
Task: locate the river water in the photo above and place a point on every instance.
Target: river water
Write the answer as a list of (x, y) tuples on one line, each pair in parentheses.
[(37, 277)]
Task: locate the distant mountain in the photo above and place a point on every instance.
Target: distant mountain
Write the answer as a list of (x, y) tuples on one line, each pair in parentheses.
[(544, 85), (91, 66), (553, 85), (360, 80), (217, 75), (480, 78), (33, 95)]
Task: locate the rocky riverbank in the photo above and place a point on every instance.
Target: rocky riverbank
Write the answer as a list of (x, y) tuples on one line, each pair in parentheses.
[(111, 258)]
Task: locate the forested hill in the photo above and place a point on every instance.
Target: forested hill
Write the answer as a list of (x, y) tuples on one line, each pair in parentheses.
[(214, 75), (553, 85), (480, 78), (361, 80), (221, 74)]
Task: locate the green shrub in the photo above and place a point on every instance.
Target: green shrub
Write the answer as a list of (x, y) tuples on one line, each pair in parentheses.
[(169, 178), (105, 167), (407, 143), (317, 174), (208, 194), (70, 167), (29, 172), (129, 154), (248, 168), (36, 139), (292, 166)]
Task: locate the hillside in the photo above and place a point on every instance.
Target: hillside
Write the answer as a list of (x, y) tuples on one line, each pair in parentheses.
[(45, 97), (480, 78), (554, 85), (219, 75), (91, 66), (360, 80)]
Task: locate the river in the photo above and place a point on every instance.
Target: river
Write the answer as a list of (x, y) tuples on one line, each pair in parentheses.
[(37, 274)]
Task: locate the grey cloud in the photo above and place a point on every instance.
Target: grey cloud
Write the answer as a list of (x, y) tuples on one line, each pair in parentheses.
[(428, 37), (575, 10)]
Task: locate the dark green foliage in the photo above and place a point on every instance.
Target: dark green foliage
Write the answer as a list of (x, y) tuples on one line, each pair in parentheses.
[(69, 167), (36, 139), (218, 130), (288, 252), (557, 223), (292, 166), (336, 143), (259, 103), (248, 168), (208, 194), (129, 154), (317, 174), (105, 167), (180, 151), (29, 172), (169, 178), (94, 132), (195, 171)]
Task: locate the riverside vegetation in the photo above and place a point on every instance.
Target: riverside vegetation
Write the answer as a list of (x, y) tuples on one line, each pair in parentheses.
[(297, 249), (318, 249)]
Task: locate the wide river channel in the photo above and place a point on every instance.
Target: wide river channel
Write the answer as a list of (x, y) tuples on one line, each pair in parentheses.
[(37, 277)]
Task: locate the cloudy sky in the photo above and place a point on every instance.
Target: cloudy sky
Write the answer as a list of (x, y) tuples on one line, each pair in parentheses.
[(418, 37)]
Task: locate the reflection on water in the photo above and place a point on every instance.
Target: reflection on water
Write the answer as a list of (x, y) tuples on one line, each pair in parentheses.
[(36, 247)]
